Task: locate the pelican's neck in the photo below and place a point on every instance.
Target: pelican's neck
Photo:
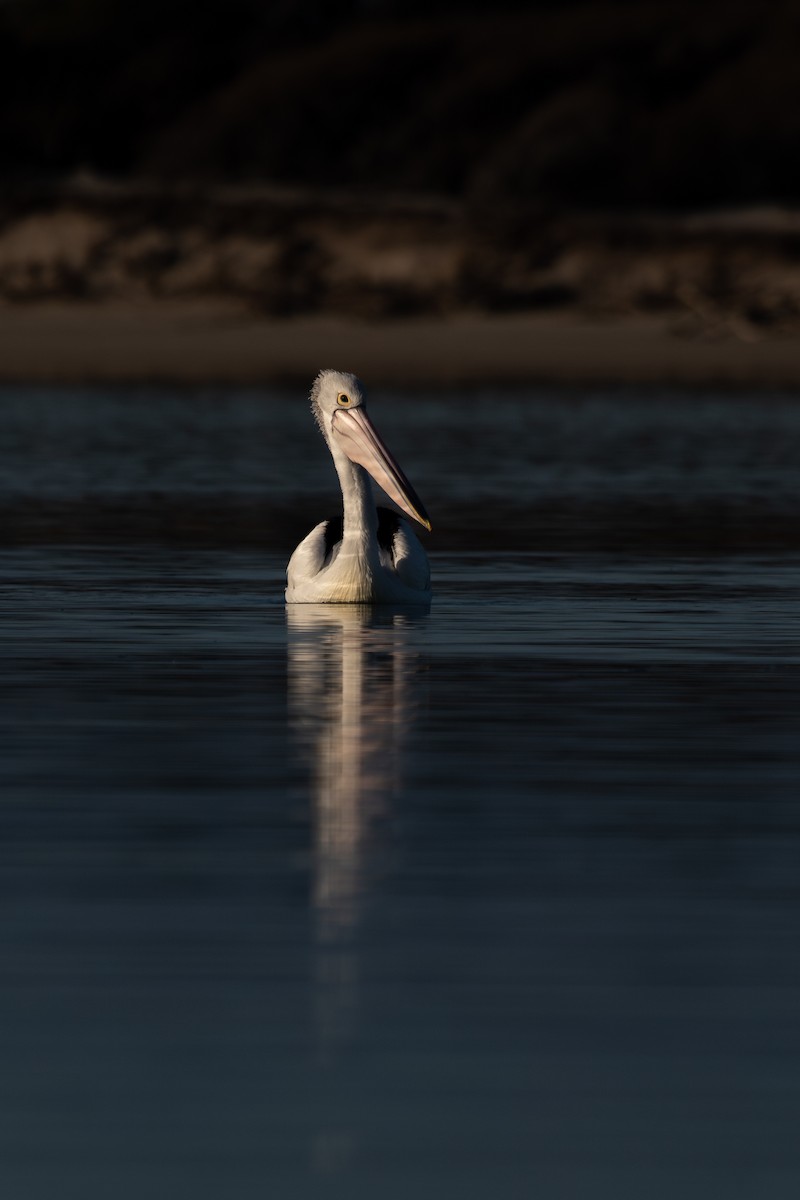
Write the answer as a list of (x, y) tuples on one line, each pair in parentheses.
[(360, 514)]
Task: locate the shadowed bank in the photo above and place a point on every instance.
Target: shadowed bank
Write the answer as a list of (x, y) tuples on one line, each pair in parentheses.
[(595, 165)]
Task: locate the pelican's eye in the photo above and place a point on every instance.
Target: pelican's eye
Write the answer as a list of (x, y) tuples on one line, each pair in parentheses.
[(344, 399)]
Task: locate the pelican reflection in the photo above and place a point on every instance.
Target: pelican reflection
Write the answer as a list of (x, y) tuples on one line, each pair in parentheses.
[(353, 692), (351, 700)]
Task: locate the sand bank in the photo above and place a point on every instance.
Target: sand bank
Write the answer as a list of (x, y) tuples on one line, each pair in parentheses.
[(196, 343)]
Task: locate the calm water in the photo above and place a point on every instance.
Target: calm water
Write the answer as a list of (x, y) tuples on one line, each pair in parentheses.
[(502, 899)]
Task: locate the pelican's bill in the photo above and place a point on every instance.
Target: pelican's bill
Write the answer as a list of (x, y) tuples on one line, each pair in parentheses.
[(363, 444)]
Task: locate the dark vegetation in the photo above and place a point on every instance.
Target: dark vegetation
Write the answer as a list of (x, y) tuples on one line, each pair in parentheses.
[(381, 158), (663, 104)]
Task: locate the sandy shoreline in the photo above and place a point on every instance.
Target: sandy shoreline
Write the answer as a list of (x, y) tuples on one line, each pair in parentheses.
[(215, 342), (124, 283)]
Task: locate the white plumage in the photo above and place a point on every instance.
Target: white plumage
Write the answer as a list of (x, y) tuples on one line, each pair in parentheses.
[(371, 555)]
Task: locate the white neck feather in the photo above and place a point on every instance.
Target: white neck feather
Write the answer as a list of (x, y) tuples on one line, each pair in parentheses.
[(360, 515)]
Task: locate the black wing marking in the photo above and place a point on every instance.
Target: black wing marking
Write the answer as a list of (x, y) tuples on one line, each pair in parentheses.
[(334, 532), (388, 525)]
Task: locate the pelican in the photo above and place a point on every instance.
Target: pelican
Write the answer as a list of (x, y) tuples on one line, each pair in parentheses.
[(370, 555)]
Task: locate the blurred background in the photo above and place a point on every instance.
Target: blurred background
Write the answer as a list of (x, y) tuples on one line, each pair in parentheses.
[(574, 161), (495, 899)]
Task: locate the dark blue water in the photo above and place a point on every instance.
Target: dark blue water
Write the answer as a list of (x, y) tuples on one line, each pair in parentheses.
[(499, 899)]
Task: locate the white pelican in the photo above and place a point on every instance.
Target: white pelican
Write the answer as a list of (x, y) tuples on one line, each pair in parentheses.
[(371, 555)]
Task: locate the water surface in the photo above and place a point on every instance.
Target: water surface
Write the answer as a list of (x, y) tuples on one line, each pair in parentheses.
[(495, 899)]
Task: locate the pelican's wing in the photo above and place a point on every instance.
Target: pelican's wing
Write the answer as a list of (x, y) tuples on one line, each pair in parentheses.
[(402, 548), (313, 553)]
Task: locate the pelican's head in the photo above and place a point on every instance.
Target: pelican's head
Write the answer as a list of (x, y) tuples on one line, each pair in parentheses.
[(340, 408)]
